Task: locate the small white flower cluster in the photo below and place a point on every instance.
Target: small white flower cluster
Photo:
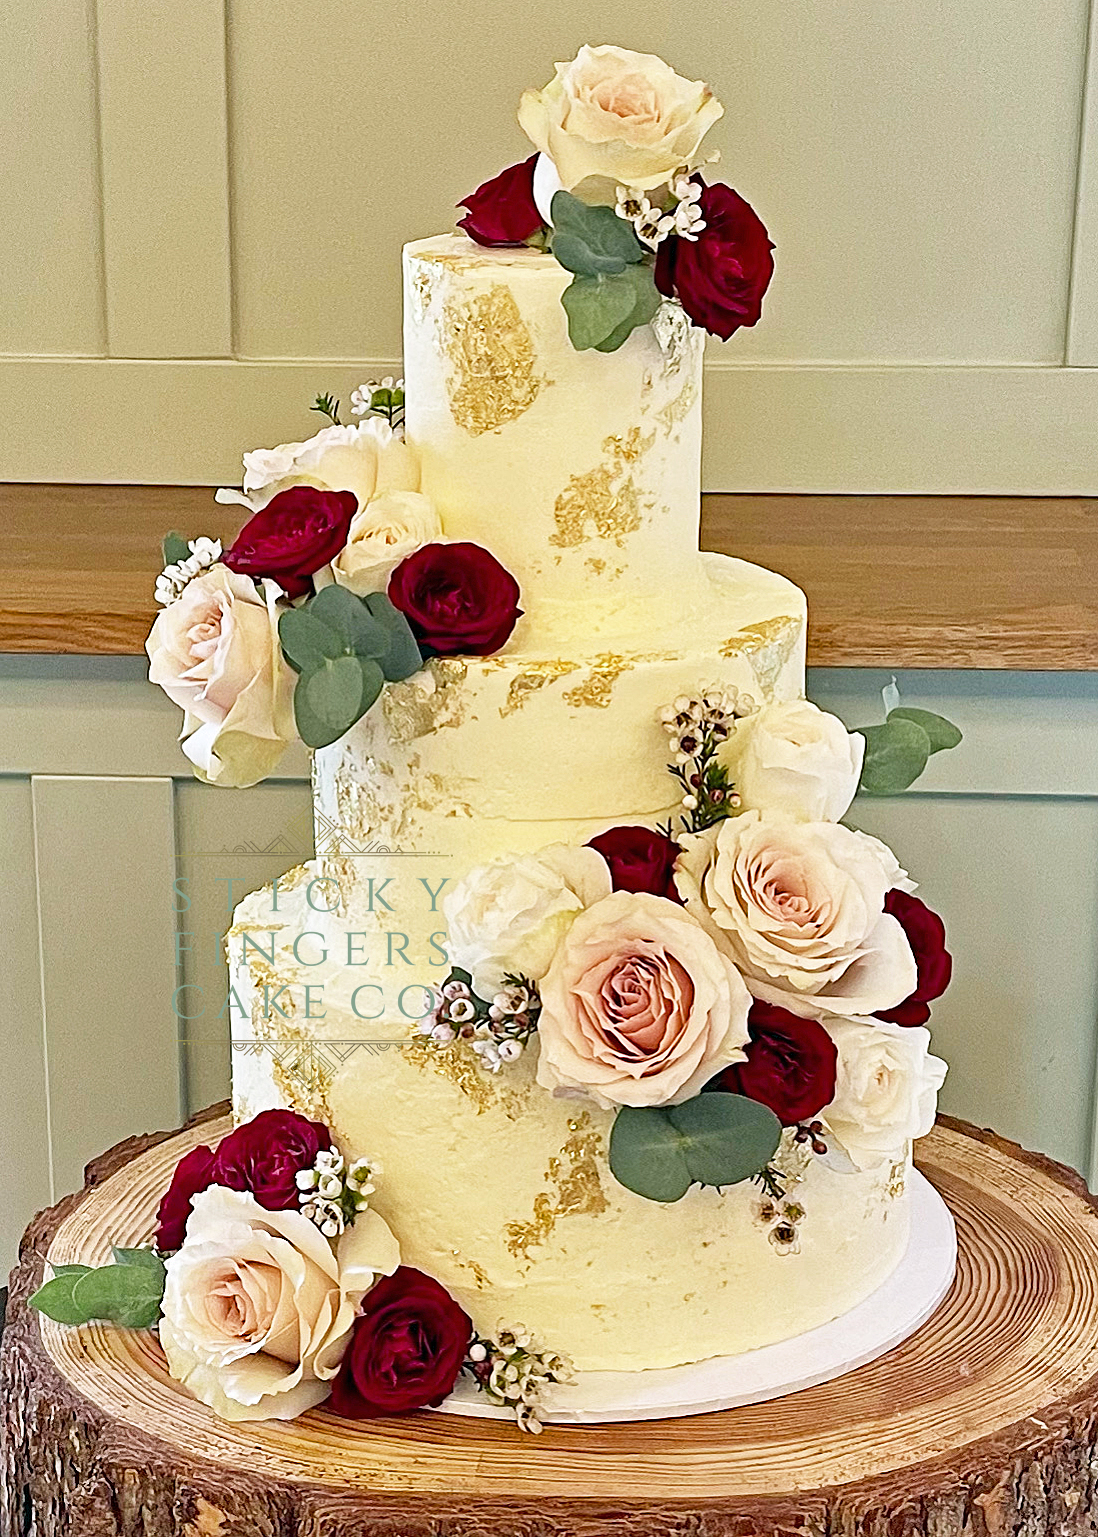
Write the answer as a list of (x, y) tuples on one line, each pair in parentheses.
[(696, 726), (513, 1371), (332, 1193), (172, 580), (497, 1035), (362, 398), (652, 223)]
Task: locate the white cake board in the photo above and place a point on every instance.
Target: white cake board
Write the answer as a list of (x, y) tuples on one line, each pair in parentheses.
[(894, 1311)]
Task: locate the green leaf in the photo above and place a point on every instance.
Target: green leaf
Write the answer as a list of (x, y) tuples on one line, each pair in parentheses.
[(943, 733), (175, 548), (55, 1298), (325, 708), (714, 1139), (895, 755), (141, 1259), (597, 308), (307, 643), (403, 656), (647, 1155), (646, 303), (347, 616), (591, 240), (129, 1295)]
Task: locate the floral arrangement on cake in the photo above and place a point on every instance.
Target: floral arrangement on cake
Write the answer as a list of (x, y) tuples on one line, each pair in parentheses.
[(340, 581), (615, 193)]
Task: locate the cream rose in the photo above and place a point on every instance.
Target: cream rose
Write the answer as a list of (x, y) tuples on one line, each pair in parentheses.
[(510, 915), (367, 459), (215, 652), (389, 528), (795, 759), (258, 1308), (619, 117), (639, 1006), (886, 1088), (799, 907)]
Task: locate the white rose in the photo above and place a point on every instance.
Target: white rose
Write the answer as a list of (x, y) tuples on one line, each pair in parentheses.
[(258, 1308), (384, 532), (620, 117), (215, 652), (367, 459), (511, 915), (796, 759), (799, 907), (639, 1006), (886, 1088)]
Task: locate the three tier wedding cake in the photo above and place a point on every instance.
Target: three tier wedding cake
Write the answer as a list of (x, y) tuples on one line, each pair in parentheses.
[(592, 1041)]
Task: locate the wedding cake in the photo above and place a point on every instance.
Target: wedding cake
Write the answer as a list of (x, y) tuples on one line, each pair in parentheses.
[(592, 1001)]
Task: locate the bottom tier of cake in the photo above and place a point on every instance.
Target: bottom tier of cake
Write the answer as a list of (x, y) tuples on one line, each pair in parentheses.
[(503, 1193)]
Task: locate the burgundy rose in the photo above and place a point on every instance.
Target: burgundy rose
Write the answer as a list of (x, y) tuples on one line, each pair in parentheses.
[(926, 935), (639, 860), (406, 1350), (790, 1064), (721, 276), (503, 211), (264, 1155), (297, 532), (457, 598), (192, 1174)]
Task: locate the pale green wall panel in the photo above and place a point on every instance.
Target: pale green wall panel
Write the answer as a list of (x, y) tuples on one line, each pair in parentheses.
[(24, 1113)]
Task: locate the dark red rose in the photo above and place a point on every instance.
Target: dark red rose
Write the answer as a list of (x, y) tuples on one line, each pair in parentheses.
[(721, 276), (503, 211), (297, 532), (926, 935), (457, 598), (790, 1064), (265, 1154), (406, 1349), (192, 1174), (639, 860)]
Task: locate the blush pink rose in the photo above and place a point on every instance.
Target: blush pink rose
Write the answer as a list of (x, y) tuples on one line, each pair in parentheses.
[(639, 1007)]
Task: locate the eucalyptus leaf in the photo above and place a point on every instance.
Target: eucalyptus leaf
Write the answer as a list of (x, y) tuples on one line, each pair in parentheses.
[(943, 733), (647, 1156), (403, 656), (596, 308), (713, 1139), (646, 303), (55, 1298), (174, 548), (129, 1295), (347, 615), (320, 730), (307, 643), (590, 240), (896, 754)]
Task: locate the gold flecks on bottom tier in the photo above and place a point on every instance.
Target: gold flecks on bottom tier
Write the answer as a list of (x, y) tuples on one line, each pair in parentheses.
[(492, 360), (460, 1067), (596, 688), (533, 677), (768, 646), (575, 1174)]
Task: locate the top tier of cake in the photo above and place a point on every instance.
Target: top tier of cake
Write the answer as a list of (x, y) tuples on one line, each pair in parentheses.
[(580, 471)]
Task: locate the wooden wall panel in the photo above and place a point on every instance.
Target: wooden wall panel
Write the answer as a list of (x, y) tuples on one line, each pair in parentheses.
[(50, 255)]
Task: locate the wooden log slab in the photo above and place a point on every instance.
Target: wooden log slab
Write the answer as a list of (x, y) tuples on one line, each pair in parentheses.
[(983, 1424)]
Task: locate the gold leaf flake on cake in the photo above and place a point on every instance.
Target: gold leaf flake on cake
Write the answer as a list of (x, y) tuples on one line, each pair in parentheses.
[(478, 1272), (576, 1189), (604, 503), (675, 412), (493, 378), (298, 1068), (596, 689), (460, 1067), (769, 647), (897, 1179), (534, 676), (421, 704)]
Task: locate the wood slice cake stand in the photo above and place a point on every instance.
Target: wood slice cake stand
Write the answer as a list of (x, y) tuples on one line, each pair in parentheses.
[(983, 1424)]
